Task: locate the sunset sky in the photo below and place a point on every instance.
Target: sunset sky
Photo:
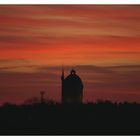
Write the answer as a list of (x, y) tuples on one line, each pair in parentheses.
[(102, 43)]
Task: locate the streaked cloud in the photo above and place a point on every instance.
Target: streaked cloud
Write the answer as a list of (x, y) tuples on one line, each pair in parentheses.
[(101, 41)]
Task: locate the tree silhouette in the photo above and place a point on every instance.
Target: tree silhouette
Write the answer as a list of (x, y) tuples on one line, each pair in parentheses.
[(102, 117)]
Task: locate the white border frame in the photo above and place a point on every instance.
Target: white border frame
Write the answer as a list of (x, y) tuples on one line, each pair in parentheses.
[(70, 2)]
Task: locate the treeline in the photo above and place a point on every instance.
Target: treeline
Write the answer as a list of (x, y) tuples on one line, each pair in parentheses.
[(103, 117)]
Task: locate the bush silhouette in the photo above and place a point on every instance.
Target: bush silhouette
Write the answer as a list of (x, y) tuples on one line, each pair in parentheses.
[(103, 117)]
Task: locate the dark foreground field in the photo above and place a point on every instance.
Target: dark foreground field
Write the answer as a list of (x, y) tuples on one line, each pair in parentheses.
[(102, 118)]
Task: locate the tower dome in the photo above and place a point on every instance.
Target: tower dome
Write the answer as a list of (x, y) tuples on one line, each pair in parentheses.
[(72, 88), (73, 80)]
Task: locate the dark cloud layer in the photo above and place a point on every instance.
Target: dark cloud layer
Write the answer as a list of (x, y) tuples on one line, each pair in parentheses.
[(114, 83)]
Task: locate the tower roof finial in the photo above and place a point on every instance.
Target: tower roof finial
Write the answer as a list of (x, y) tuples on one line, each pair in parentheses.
[(73, 71)]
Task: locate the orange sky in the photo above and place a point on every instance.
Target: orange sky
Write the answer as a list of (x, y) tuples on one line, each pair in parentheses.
[(89, 35)]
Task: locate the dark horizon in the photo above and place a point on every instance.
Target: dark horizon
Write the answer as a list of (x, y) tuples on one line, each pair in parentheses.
[(99, 85), (48, 118)]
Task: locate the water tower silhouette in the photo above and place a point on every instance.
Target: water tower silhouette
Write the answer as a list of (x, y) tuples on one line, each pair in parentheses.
[(72, 88)]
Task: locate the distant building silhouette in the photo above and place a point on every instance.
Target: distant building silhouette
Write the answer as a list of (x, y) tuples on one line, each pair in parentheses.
[(72, 88)]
